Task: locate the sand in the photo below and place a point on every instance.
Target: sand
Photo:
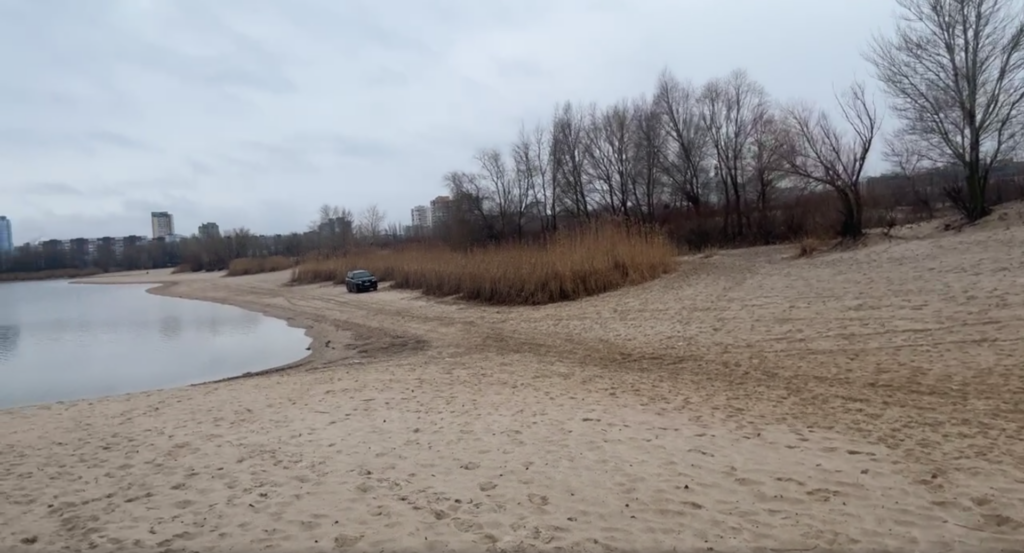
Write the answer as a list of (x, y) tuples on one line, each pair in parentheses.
[(862, 400)]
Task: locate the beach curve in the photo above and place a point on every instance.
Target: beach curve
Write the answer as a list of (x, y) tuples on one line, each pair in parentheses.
[(748, 401)]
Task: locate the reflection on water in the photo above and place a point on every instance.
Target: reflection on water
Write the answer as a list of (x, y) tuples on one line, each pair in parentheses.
[(61, 341), (170, 327), (8, 340)]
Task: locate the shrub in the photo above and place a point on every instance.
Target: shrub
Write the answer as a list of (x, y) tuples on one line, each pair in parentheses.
[(809, 247), (571, 265), (257, 265)]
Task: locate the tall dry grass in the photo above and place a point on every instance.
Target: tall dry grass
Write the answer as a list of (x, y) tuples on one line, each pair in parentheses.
[(257, 265), (569, 266)]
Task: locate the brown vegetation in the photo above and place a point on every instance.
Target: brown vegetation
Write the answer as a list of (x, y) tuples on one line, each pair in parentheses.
[(810, 247), (570, 265), (55, 274), (257, 265)]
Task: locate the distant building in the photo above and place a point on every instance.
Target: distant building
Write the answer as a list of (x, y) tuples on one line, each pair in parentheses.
[(420, 219), (336, 226), (440, 210), (6, 235), (209, 230), (163, 224), (86, 248)]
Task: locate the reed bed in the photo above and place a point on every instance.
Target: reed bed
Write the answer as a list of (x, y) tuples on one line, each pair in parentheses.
[(569, 266), (257, 265)]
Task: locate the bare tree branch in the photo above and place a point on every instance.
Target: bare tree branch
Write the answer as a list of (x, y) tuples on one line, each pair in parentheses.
[(954, 74), (825, 155)]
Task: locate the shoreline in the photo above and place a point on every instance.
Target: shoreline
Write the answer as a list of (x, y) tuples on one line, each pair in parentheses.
[(761, 401), (165, 289)]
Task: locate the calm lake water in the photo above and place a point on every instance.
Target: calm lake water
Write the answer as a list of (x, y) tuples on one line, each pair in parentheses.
[(61, 341)]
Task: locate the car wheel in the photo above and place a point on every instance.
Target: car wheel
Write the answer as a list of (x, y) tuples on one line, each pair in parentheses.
[(348, 288)]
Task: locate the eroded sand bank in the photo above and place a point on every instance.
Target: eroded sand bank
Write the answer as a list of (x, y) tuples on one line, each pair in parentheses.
[(869, 399)]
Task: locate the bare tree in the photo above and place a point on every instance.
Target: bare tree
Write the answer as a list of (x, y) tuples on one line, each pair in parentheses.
[(954, 73), (371, 222), (473, 199), (609, 163), (686, 153), (908, 162), (770, 141), (328, 212), (648, 143), (544, 189), (730, 108), (568, 160), (506, 190), (393, 232), (825, 155), (531, 175)]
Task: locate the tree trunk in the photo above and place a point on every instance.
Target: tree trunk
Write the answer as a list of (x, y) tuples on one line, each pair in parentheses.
[(852, 226)]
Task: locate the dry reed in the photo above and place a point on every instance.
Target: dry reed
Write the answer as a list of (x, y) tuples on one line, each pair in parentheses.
[(257, 265), (569, 266)]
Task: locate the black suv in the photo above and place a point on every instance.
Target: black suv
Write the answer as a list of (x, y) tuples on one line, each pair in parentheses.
[(360, 281)]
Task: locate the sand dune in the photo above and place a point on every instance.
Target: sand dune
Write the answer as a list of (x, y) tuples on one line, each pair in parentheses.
[(864, 400)]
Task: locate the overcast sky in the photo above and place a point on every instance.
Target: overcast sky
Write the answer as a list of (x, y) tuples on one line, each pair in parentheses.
[(254, 112)]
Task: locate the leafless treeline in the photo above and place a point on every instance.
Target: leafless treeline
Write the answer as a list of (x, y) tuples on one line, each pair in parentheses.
[(723, 162), (723, 156)]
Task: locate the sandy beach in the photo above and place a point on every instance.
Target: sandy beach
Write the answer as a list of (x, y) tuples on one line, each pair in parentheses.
[(870, 399)]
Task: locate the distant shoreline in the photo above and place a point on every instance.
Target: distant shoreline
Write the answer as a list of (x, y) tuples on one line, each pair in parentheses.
[(54, 274)]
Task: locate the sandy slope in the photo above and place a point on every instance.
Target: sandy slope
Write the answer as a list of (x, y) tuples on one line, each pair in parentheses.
[(869, 399)]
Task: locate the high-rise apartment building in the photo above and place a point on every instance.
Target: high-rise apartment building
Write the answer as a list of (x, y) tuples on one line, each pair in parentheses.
[(6, 235), (209, 230), (420, 218), (163, 224), (440, 210)]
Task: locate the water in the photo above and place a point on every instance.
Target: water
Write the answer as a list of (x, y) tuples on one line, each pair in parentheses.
[(61, 341)]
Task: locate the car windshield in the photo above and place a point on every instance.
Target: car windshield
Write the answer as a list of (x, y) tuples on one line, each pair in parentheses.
[(361, 274)]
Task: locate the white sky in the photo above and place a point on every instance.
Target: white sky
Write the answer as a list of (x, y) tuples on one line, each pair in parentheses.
[(254, 112)]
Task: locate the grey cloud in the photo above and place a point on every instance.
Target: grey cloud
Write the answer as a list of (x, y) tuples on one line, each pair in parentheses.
[(16, 141), (50, 189), (343, 146), (118, 140), (261, 158), (93, 43)]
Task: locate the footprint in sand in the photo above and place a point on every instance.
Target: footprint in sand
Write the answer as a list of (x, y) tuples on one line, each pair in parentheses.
[(466, 526), (487, 486), (537, 499), (1002, 522), (823, 494), (472, 465), (343, 541), (184, 504)]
